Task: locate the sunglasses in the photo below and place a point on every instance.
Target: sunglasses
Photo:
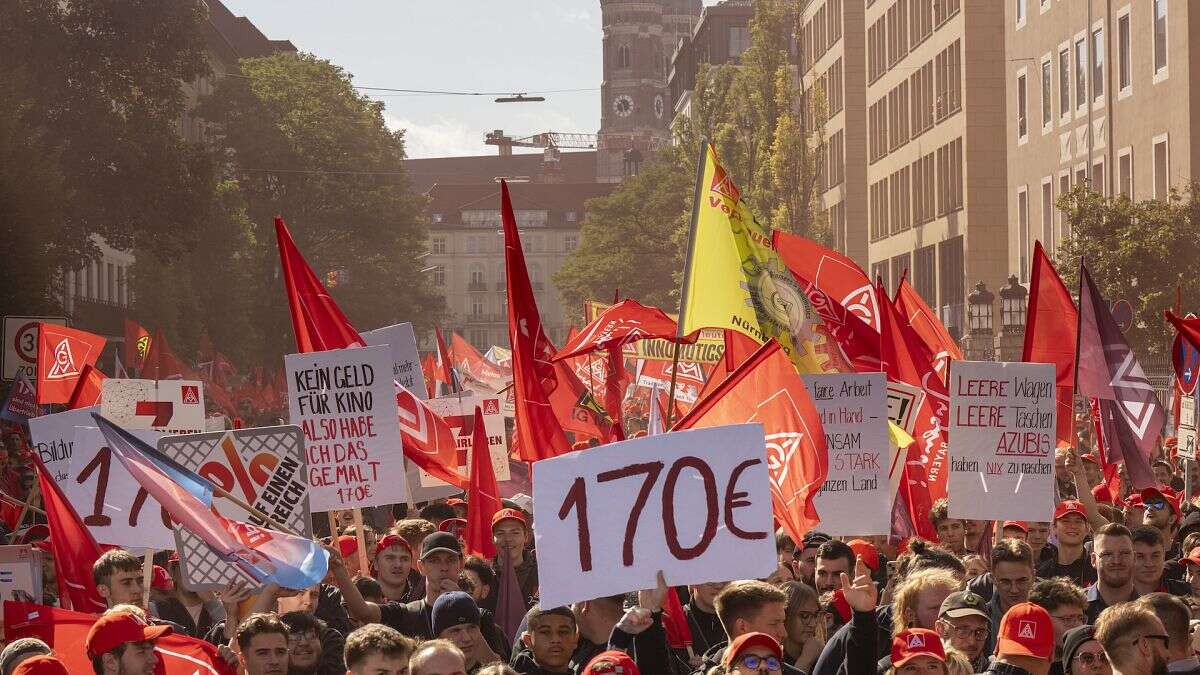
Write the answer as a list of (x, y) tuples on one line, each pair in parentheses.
[(1157, 505), (756, 662), (1089, 659)]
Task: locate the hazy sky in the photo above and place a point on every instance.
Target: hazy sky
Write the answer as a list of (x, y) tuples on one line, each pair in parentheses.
[(458, 45)]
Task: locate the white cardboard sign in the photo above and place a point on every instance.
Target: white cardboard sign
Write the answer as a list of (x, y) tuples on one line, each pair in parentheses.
[(696, 504), (21, 572), (54, 438), (170, 406), (345, 402), (459, 413), (855, 498), (1002, 422), (406, 361), (109, 501)]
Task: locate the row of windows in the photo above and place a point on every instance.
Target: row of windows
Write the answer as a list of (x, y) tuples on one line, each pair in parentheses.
[(100, 281), (929, 188), (906, 24), (485, 243), (833, 169), (1158, 14), (931, 94), (477, 278), (820, 33), (937, 272), (835, 218)]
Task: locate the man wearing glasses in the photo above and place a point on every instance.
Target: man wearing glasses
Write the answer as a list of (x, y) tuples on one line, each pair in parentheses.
[(1134, 639), (1082, 654), (1113, 559), (1175, 617), (1067, 607), (964, 624)]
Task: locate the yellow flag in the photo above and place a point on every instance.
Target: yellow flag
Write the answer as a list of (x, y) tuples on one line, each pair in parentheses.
[(735, 279)]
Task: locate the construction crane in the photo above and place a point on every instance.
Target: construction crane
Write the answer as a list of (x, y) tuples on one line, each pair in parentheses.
[(550, 140)]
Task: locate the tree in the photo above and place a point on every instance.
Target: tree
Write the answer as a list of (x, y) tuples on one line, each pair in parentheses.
[(1136, 251)]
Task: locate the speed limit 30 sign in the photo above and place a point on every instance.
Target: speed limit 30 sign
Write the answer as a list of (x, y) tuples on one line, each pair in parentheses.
[(21, 345)]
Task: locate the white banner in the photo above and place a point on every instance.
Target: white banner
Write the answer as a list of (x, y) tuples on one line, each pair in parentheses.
[(696, 504), (345, 402), (1002, 422), (855, 498), (54, 438), (406, 361), (459, 413), (170, 406)]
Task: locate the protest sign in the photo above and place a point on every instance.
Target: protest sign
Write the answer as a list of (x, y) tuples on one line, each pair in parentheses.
[(406, 361), (709, 348), (345, 402), (170, 406), (853, 409), (19, 355), (263, 466), (53, 438), (21, 573), (459, 413), (903, 402), (694, 503), (115, 508), (1186, 427), (1002, 424), (21, 403)]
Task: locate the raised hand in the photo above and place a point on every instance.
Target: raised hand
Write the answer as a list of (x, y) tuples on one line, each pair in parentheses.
[(860, 595), (652, 599)]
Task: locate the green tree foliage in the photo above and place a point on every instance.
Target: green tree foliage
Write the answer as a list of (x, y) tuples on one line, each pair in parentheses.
[(307, 146), (1136, 251)]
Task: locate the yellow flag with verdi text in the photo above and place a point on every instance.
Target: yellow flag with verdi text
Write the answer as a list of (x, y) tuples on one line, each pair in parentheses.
[(735, 279)]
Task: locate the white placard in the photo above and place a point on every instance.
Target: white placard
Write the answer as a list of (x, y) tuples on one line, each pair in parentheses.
[(21, 570), (406, 361), (1186, 427), (855, 498), (345, 402), (459, 413), (170, 406), (111, 503), (1002, 431), (696, 504), (53, 438)]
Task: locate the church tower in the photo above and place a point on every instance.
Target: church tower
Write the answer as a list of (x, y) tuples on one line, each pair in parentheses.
[(635, 115)]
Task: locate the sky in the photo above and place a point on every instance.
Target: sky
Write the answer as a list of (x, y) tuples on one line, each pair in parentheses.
[(454, 45)]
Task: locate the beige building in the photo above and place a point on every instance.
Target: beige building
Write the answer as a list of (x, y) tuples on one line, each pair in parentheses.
[(1097, 91)]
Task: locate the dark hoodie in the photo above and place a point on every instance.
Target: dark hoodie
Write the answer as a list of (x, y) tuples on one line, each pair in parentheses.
[(850, 640)]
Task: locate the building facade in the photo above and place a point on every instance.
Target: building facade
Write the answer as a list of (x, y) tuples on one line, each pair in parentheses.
[(720, 36), (1098, 93)]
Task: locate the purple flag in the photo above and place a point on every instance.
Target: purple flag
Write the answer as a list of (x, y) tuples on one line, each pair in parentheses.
[(1130, 414)]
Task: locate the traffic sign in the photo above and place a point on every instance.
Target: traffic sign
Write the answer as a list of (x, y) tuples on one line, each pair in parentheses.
[(21, 345), (1186, 360)]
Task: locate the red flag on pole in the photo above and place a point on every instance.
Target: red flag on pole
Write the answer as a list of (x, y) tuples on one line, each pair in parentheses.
[(428, 441), (162, 364), (623, 323), (679, 633), (318, 322), (766, 389), (834, 274), (63, 353), (137, 344), (483, 495), (87, 391), (75, 551), (539, 434), (444, 368), (926, 324), (470, 363), (1051, 331)]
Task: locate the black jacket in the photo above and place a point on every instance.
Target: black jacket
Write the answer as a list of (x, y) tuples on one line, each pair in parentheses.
[(840, 645), (713, 657)]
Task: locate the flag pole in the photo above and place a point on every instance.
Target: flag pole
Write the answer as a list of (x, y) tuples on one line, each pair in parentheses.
[(701, 157), (25, 508), (1078, 332)]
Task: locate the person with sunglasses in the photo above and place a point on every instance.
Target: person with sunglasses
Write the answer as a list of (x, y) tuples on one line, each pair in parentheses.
[(1083, 654), (1176, 620), (1162, 512), (1134, 639)]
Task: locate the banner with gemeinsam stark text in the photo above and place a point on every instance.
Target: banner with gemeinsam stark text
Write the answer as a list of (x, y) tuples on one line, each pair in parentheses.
[(1002, 440)]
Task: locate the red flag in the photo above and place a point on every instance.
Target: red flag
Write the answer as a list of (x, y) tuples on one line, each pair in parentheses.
[(87, 392), (623, 323), (576, 408), (66, 633), (1051, 330), (63, 353), (471, 363), (318, 322), (428, 441), (926, 324), (162, 364), (738, 348), (616, 381), (538, 433), (137, 344), (766, 389), (75, 551), (679, 633), (836, 275), (907, 361), (483, 495), (443, 367), (429, 369)]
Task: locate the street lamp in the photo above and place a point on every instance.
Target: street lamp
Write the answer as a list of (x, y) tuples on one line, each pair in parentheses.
[(979, 310), (1014, 303)]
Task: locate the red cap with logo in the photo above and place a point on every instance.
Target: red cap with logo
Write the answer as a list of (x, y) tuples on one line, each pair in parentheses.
[(113, 630), (747, 640), (1069, 507), (914, 642), (161, 580), (1026, 630), (1163, 492), (348, 545), (1019, 524), (387, 541), (40, 665), (509, 514), (612, 661), (867, 551)]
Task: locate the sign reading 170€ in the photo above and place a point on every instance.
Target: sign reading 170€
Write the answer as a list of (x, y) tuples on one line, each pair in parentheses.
[(696, 503)]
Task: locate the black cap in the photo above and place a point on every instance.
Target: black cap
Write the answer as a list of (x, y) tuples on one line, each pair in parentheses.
[(1073, 640), (964, 603), (454, 609), (440, 541), (812, 540)]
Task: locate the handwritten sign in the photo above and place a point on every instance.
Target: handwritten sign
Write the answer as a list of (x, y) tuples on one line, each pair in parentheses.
[(345, 402), (170, 406), (53, 438), (1002, 421), (406, 361), (696, 503), (853, 407), (459, 413)]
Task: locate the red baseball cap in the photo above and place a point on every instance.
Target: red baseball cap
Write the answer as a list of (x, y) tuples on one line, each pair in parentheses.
[(455, 501), (1019, 524), (1190, 560), (1069, 507), (509, 514), (1102, 494), (914, 642), (1164, 493), (118, 628), (841, 605), (1026, 630), (348, 545), (454, 525), (612, 661), (867, 551), (747, 640), (1090, 457), (387, 541), (40, 665), (161, 580)]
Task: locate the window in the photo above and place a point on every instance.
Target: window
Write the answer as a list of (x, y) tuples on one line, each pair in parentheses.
[(570, 242), (1020, 13), (1022, 101), (1162, 183), (921, 88), (122, 287), (900, 265), (1064, 187), (879, 270), (1081, 177), (571, 216), (1047, 94), (920, 21), (477, 275), (1125, 173), (901, 198), (1023, 231), (877, 43), (1081, 67), (1064, 83), (924, 273), (834, 90), (1097, 65), (1048, 214), (835, 20), (878, 195), (739, 40), (437, 245), (1160, 36), (439, 276), (951, 284), (836, 173), (472, 244), (1124, 72), (623, 56), (837, 223), (476, 307), (944, 9), (949, 177), (111, 277), (1098, 177)]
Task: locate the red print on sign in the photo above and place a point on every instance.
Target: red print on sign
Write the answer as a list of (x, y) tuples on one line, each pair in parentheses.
[(191, 394)]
